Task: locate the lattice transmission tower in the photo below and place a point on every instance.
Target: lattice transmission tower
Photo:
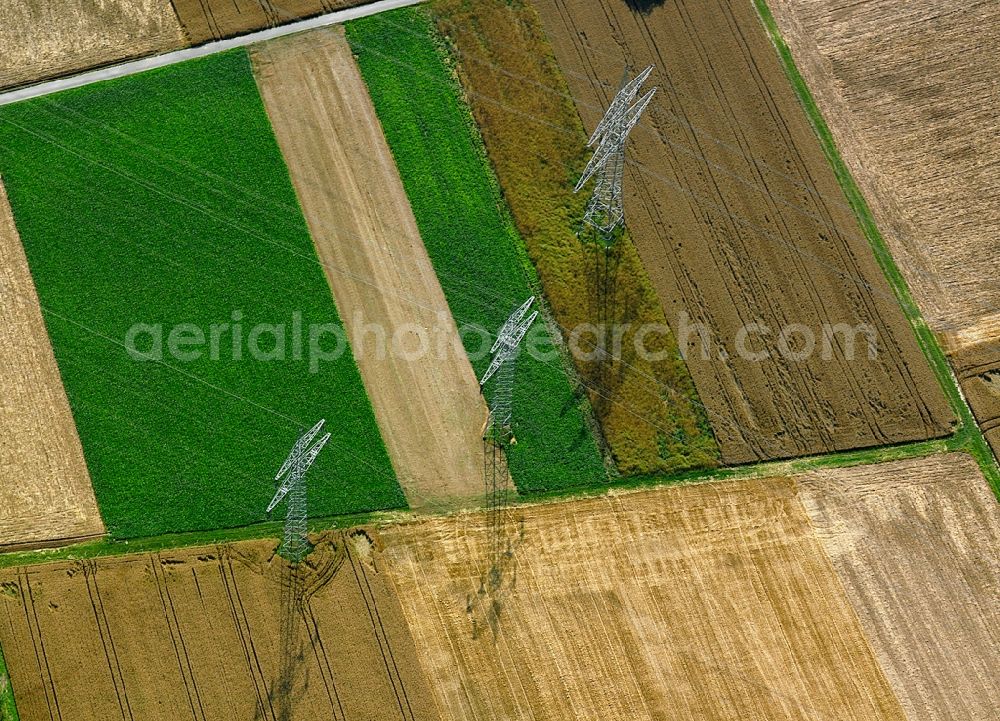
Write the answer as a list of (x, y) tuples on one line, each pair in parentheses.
[(605, 211), (497, 439), (295, 544), (294, 547), (604, 219)]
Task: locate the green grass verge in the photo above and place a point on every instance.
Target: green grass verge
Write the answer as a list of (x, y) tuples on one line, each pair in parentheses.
[(8, 709), (968, 438), (163, 199), (470, 237)]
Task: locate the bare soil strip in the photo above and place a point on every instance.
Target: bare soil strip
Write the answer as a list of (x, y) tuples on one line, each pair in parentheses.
[(206, 20), (739, 219), (40, 40), (428, 404), (915, 544), (908, 90), (713, 601), (45, 491), (200, 634)]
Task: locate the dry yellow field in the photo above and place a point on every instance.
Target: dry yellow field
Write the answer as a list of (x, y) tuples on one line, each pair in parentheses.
[(909, 91), (700, 602), (427, 404), (206, 634), (45, 491), (40, 39), (915, 544)]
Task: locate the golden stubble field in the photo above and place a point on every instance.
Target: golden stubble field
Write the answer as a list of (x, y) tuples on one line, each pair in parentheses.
[(45, 491), (915, 545), (856, 593), (40, 39), (702, 602), (200, 634), (909, 91), (428, 405)]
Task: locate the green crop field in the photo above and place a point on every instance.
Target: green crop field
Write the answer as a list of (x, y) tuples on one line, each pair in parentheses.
[(472, 242), (162, 199)]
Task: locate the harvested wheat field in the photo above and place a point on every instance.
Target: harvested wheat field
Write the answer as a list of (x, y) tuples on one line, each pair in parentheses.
[(427, 402), (206, 20), (915, 544), (739, 220), (45, 491), (41, 39), (909, 92), (698, 602), (201, 634)]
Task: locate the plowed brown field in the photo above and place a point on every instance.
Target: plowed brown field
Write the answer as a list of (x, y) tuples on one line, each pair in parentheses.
[(428, 405), (701, 602), (739, 219), (45, 491), (206, 20), (199, 634), (40, 39), (909, 92), (915, 544)]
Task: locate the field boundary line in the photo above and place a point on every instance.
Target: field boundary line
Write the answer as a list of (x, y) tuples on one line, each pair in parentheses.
[(133, 67), (968, 435)]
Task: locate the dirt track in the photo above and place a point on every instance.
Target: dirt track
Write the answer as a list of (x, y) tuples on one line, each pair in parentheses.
[(915, 543), (739, 219), (909, 92), (198, 634), (41, 39), (428, 406), (700, 602), (206, 20), (45, 491)]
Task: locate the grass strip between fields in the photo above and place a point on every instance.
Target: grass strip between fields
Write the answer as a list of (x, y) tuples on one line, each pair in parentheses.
[(968, 437), (162, 199), (471, 239), (8, 707)]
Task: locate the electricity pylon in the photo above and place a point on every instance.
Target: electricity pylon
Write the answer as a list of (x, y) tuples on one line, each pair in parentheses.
[(294, 547), (497, 438), (292, 477), (605, 210), (604, 218)]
